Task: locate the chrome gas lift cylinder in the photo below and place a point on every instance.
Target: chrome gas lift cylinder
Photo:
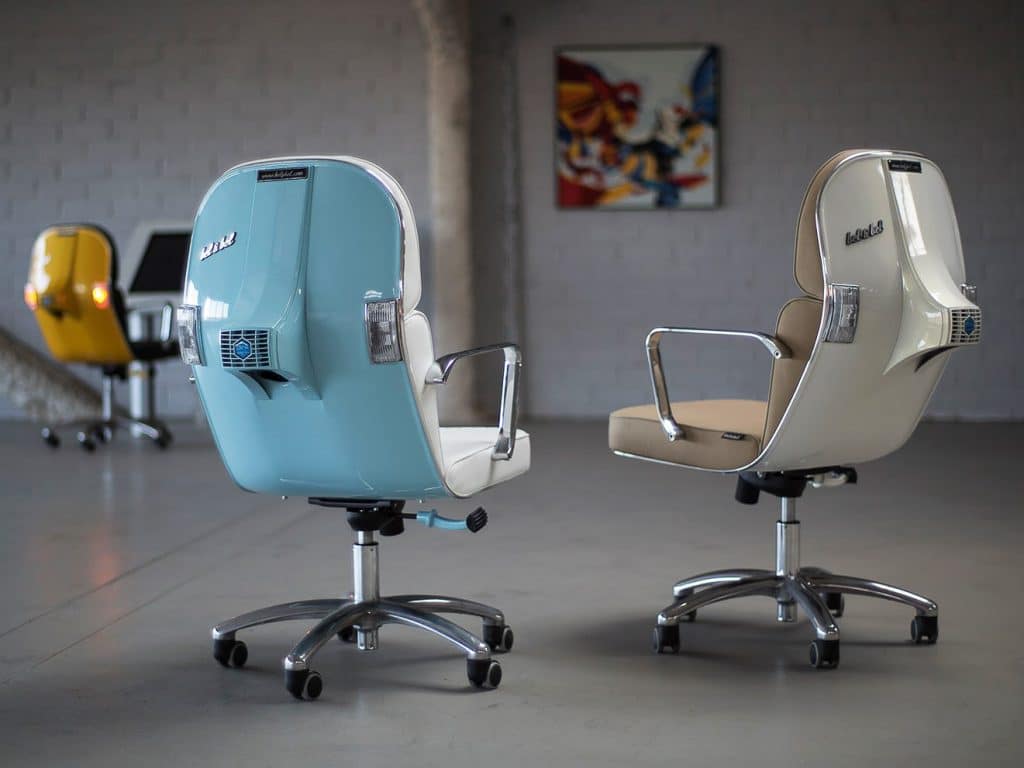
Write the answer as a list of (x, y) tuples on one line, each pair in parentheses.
[(141, 376)]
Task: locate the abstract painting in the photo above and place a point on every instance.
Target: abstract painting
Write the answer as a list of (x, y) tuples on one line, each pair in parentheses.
[(637, 127)]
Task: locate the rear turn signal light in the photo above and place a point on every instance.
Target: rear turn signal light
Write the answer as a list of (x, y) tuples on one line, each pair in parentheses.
[(382, 331), (100, 295), (188, 334), (31, 297)]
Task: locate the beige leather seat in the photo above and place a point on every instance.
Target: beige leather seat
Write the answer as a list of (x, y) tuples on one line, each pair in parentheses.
[(721, 434), (727, 435), (724, 435)]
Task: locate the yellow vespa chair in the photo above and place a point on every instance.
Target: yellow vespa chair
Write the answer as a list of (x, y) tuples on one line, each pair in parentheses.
[(72, 291)]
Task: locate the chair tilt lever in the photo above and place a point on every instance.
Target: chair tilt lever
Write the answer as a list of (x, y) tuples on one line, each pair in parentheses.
[(429, 518)]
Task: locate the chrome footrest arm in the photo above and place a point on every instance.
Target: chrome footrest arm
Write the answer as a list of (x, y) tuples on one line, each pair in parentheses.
[(673, 614), (391, 612), (850, 585), (301, 609), (813, 604), (457, 605), (329, 626), (713, 578)]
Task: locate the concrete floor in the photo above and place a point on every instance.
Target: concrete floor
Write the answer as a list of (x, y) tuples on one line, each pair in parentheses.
[(116, 564)]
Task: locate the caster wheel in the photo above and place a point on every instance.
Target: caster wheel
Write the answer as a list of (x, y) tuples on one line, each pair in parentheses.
[(303, 683), (483, 673), (163, 441), (824, 654), (500, 639), (50, 437), (924, 629), (86, 442), (103, 434), (230, 652), (347, 635), (665, 639), (836, 603)]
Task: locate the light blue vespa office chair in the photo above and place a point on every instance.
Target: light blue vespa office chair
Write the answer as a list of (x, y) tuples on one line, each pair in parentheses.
[(318, 378)]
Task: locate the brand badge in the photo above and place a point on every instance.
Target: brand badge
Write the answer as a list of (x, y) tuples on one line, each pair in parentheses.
[(864, 233), (242, 349), (905, 166), (282, 174), (217, 245)]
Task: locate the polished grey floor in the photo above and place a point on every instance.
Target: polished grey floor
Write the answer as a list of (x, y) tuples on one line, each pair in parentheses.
[(114, 565)]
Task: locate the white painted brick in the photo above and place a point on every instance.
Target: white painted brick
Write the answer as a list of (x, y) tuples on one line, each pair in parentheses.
[(117, 112), (800, 81), (123, 111)]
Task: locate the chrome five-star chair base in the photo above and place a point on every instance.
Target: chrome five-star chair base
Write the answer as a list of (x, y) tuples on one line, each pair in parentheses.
[(817, 591), (359, 618)]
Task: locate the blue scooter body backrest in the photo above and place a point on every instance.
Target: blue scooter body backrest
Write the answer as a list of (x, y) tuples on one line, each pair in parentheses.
[(285, 257)]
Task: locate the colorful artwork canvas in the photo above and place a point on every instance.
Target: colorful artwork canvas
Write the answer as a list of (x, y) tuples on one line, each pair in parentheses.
[(637, 127)]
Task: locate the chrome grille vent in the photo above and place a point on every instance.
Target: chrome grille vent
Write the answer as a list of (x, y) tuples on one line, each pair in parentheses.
[(245, 348), (966, 326)]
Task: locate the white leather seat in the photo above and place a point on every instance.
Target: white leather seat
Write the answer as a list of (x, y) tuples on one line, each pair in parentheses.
[(468, 466)]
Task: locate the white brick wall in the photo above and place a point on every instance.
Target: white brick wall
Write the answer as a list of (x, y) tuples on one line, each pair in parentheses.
[(801, 80), (117, 112)]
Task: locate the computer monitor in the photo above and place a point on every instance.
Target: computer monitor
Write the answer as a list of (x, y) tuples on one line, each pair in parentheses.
[(162, 268), (153, 268)]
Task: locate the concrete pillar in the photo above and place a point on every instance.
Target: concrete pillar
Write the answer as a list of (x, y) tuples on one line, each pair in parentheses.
[(445, 26), (45, 390)]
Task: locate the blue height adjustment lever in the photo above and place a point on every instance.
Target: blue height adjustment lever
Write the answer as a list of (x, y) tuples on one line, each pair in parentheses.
[(476, 520)]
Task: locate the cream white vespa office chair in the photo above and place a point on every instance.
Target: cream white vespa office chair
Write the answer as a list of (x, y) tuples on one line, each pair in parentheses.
[(855, 361), (318, 377)]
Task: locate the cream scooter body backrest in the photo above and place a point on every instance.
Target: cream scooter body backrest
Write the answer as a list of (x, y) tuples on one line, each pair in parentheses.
[(878, 256)]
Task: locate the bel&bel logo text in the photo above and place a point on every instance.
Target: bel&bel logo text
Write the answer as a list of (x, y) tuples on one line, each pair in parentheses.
[(864, 233)]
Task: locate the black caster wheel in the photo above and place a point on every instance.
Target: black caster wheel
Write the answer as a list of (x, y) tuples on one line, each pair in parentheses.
[(347, 635), (665, 639), (303, 683), (836, 603), (50, 437), (87, 443), (924, 629), (824, 654), (483, 673), (230, 652), (499, 638), (103, 434), (163, 440)]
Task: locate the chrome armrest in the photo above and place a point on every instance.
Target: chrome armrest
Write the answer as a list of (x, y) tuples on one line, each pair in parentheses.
[(669, 424), (508, 410), (163, 308)]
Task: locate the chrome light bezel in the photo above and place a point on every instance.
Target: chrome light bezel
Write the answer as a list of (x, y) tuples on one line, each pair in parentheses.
[(189, 341), (383, 337)]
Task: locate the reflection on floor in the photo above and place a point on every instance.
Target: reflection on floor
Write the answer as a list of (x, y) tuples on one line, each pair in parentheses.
[(116, 564)]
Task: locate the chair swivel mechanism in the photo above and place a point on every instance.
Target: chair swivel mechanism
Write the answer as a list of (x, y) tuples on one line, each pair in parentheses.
[(854, 363), (318, 377), (72, 291)]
